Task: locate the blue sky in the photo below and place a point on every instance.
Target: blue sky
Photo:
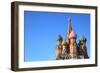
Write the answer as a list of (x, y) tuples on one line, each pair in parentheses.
[(41, 30)]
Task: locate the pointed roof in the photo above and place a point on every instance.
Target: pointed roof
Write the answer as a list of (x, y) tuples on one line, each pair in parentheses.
[(69, 27)]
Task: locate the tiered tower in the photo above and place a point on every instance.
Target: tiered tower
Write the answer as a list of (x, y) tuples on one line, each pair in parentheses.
[(69, 28)]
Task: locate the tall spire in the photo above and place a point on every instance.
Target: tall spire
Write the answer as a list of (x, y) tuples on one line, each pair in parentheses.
[(69, 27)]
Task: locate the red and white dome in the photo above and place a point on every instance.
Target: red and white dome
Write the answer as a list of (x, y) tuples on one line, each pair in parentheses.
[(72, 35)]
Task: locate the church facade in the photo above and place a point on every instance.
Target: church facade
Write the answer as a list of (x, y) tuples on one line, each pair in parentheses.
[(69, 48)]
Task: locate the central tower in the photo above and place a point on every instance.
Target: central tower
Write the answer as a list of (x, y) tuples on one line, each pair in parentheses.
[(69, 28)]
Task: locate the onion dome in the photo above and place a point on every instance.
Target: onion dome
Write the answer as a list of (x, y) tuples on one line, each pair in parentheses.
[(83, 39), (72, 35), (60, 38)]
